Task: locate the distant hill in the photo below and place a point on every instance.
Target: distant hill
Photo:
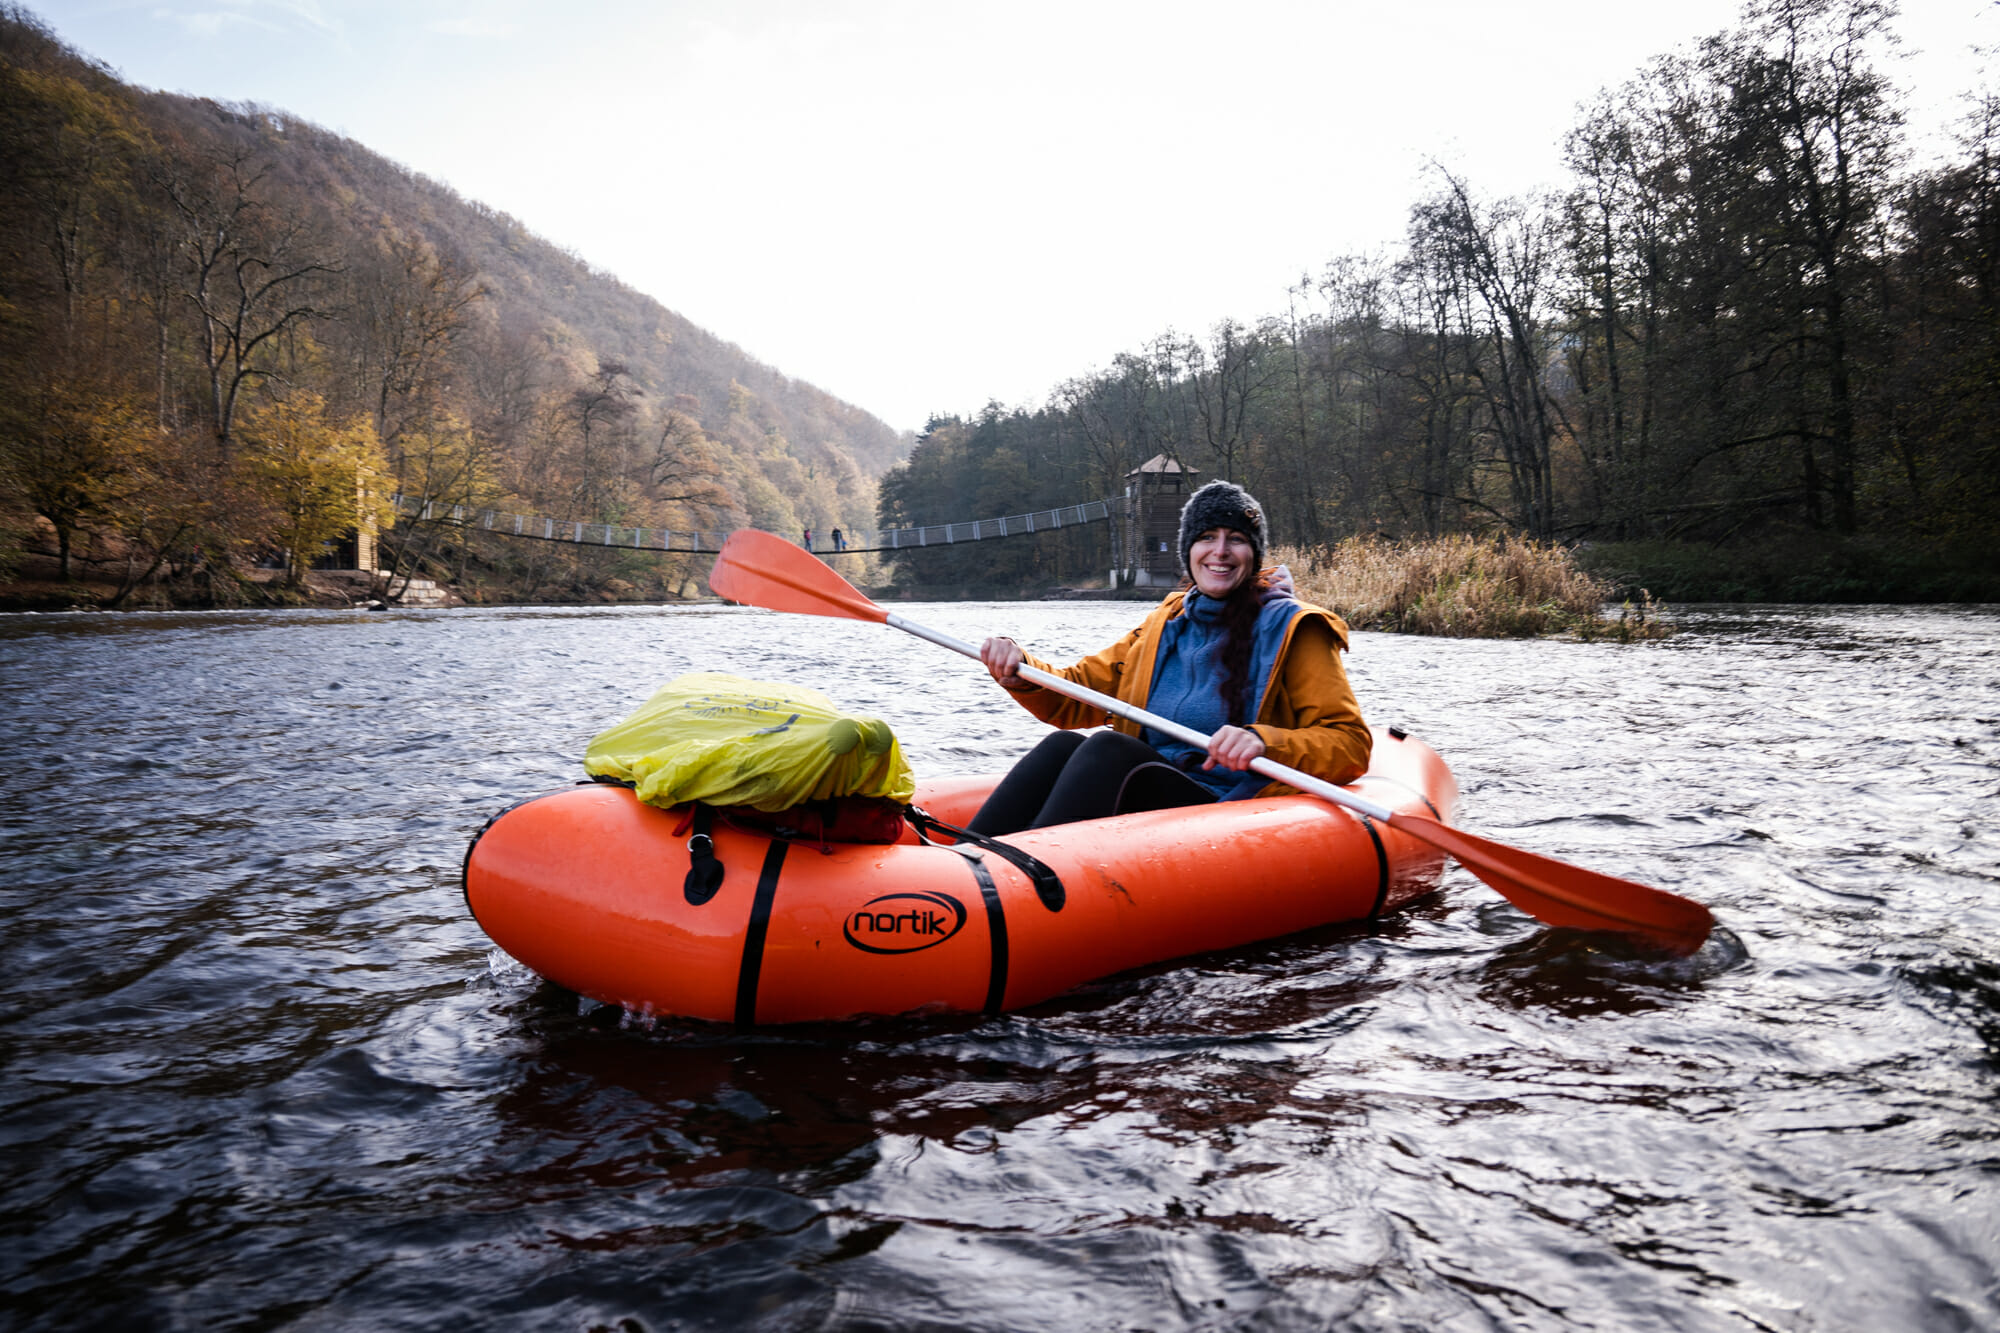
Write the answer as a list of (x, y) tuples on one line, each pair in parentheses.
[(530, 279), (180, 275)]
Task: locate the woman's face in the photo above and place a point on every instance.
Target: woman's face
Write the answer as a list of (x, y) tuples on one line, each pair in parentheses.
[(1219, 560)]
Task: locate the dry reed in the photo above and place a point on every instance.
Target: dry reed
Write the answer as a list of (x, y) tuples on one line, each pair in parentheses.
[(1466, 587)]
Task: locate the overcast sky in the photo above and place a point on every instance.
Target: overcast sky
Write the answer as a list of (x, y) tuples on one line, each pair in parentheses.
[(920, 206)]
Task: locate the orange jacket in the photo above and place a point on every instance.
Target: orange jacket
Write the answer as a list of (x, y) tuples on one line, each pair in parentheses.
[(1308, 718)]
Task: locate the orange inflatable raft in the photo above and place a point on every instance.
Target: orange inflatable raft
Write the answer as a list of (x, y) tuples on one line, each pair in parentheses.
[(590, 889)]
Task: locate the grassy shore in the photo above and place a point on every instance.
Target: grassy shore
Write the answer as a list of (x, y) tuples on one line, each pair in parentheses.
[(1468, 588)]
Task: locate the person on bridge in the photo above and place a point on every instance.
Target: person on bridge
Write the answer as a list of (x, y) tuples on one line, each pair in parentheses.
[(1235, 655)]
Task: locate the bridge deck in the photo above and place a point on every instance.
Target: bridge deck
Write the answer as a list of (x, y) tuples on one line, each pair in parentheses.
[(541, 527)]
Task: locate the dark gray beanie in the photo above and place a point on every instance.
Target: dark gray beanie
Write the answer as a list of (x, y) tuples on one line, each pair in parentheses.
[(1222, 504)]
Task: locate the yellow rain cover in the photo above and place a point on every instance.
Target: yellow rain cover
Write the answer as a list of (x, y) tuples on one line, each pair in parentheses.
[(725, 740)]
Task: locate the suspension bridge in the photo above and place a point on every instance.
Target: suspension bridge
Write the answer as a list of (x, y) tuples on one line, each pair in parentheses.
[(541, 527)]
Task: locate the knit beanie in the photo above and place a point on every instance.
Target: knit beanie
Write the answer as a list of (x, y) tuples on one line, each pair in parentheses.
[(1222, 504)]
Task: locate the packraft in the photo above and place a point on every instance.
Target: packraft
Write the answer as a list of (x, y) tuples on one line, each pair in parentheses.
[(696, 913)]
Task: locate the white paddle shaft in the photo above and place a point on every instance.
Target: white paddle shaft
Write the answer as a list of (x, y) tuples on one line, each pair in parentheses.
[(1269, 768)]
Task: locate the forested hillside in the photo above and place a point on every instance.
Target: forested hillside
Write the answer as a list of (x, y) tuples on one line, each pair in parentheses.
[(1746, 324), (214, 318)]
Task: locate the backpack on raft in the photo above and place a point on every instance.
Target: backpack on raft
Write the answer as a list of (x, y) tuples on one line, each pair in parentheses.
[(778, 760), (759, 750)]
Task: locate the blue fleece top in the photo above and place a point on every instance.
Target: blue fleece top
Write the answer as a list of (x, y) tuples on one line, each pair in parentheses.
[(1187, 685)]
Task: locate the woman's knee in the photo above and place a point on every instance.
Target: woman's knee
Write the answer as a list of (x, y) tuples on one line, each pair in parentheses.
[(1012, 803), (1058, 745), (1112, 754)]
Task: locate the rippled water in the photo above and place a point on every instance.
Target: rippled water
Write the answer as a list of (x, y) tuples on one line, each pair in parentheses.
[(262, 1070)]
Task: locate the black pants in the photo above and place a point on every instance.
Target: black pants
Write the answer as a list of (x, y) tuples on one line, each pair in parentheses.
[(1071, 776)]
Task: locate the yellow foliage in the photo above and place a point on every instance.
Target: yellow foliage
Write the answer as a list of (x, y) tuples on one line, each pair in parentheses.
[(323, 478), (447, 460), (92, 128), (75, 452)]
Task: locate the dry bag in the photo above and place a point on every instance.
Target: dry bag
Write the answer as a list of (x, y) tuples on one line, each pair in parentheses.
[(729, 741)]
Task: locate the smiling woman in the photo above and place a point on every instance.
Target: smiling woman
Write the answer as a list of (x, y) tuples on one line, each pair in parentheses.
[(1235, 657), (1221, 559)]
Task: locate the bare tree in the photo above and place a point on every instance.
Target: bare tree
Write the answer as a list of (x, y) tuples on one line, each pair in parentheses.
[(410, 306), (1825, 113), (250, 272), (1225, 380), (1507, 256)]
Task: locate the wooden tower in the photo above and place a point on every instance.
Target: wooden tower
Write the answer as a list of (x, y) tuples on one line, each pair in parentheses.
[(1154, 493)]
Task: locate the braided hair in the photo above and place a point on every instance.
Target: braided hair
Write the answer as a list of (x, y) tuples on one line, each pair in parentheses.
[(1239, 636)]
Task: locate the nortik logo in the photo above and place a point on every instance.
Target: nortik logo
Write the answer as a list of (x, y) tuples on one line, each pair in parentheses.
[(904, 922)]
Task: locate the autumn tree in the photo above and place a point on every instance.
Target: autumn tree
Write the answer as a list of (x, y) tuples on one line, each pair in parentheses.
[(1435, 360), (320, 477), (76, 455), (68, 156), (681, 471), (1506, 252)]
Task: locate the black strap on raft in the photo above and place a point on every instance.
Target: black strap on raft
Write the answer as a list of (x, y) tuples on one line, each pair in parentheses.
[(1048, 886), (1381, 866), (996, 921), (996, 927), (704, 876), (754, 933)]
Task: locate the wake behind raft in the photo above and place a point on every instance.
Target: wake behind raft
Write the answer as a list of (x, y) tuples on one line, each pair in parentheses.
[(590, 888)]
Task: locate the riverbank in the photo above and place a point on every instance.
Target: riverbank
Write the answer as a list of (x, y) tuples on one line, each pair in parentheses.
[(248, 589), (1454, 586)]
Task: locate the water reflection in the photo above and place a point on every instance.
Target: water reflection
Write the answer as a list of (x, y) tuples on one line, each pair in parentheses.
[(1580, 975)]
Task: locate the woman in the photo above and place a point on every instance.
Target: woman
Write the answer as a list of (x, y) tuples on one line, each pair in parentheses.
[(1235, 655)]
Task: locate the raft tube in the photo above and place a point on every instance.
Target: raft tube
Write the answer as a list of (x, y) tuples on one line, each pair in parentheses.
[(589, 888)]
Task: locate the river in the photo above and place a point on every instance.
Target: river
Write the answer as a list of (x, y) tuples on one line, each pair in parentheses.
[(262, 1071)]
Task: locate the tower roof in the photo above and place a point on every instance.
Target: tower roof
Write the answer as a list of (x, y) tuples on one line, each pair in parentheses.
[(1161, 463)]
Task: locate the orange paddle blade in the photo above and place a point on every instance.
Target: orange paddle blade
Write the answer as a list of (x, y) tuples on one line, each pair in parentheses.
[(1565, 895), (763, 569)]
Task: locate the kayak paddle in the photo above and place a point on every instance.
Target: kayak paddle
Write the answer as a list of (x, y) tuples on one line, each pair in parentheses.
[(764, 570)]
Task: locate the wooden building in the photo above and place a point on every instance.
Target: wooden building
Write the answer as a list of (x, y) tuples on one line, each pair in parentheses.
[(1154, 493)]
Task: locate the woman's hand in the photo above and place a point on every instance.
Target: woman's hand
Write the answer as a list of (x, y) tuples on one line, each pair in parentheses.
[(1233, 748), (1002, 657)]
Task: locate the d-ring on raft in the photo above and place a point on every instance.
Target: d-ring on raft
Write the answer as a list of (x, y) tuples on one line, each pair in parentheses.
[(588, 887)]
